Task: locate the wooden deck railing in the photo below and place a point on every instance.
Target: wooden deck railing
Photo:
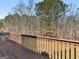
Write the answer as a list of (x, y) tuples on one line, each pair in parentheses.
[(56, 48)]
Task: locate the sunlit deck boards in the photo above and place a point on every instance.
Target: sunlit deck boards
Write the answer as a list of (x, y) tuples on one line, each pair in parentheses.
[(11, 50)]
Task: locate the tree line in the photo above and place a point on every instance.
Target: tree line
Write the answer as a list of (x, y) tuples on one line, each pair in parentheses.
[(48, 18)]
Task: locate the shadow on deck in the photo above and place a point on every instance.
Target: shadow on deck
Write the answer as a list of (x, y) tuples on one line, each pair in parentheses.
[(12, 50)]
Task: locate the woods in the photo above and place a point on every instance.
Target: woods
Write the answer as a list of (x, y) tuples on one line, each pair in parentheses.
[(50, 19)]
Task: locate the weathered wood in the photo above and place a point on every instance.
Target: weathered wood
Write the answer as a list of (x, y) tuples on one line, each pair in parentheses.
[(16, 51)]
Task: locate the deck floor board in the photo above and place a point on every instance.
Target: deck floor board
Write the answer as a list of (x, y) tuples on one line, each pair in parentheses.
[(12, 50)]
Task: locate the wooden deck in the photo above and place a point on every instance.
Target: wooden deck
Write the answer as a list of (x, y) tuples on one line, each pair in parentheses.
[(11, 50)]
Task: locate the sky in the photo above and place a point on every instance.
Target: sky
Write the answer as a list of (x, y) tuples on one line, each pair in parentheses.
[(7, 5)]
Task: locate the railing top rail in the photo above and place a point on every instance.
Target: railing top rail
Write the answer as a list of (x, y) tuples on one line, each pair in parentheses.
[(59, 39), (51, 38)]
